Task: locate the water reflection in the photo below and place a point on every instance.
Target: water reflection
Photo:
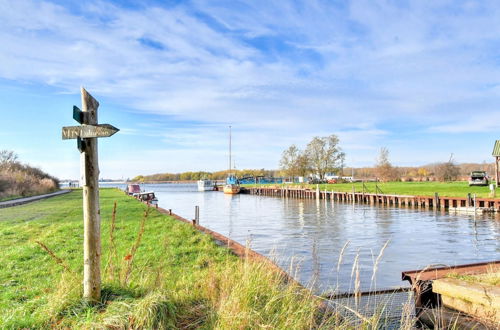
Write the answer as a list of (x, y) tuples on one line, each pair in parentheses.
[(315, 232)]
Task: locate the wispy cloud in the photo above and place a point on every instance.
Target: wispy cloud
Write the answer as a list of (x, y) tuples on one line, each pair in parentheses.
[(280, 72)]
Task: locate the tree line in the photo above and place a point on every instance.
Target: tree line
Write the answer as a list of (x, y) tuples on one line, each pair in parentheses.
[(20, 180), (194, 176), (323, 155)]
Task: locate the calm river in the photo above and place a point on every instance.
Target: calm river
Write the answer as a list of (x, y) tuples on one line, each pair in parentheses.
[(311, 234)]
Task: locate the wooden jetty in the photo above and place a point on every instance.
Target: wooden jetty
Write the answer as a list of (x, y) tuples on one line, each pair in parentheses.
[(436, 201)]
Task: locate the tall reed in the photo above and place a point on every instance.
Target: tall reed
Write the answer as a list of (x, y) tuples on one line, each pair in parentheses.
[(129, 258)]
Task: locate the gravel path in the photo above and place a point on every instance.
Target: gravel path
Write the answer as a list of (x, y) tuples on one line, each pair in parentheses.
[(20, 201)]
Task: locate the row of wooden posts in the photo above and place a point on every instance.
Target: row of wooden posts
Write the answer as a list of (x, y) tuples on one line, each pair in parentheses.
[(435, 201)]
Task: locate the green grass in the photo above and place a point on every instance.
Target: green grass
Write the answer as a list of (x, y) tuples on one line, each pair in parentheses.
[(180, 278), (9, 198), (12, 197), (490, 278), (444, 189)]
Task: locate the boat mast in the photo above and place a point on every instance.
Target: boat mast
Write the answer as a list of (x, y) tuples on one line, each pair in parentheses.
[(229, 150)]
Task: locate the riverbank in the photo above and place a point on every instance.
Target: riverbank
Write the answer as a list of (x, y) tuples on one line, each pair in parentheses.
[(444, 189), (171, 277), (468, 204)]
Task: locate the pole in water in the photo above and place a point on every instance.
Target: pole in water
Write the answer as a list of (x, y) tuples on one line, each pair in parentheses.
[(196, 220)]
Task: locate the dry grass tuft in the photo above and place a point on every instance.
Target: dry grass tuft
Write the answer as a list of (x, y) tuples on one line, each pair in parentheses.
[(54, 256)]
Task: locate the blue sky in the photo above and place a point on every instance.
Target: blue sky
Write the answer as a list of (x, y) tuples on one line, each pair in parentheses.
[(421, 78)]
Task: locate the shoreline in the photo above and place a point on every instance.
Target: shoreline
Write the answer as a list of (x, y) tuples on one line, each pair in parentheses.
[(465, 204), (236, 248)]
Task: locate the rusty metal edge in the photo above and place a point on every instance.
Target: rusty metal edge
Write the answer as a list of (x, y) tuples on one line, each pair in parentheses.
[(461, 269)]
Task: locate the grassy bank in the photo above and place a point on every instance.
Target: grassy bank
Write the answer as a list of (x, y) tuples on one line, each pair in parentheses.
[(447, 189), (176, 278)]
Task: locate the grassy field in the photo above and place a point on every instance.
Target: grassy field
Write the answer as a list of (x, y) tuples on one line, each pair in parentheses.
[(177, 278), (448, 189)]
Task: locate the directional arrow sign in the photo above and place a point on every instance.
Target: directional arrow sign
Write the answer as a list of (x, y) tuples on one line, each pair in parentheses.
[(78, 114), (88, 131)]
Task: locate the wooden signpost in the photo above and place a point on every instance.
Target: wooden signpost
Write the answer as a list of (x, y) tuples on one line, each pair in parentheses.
[(86, 136), (496, 154)]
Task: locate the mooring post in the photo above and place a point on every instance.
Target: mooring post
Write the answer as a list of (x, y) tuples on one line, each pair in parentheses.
[(353, 191), (196, 220), (436, 201)]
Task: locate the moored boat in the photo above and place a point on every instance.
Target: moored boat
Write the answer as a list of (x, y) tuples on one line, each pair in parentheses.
[(133, 189), (144, 196), (147, 196), (231, 189), (206, 185)]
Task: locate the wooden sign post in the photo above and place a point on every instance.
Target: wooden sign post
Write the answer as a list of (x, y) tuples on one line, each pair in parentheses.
[(86, 136), (496, 154)]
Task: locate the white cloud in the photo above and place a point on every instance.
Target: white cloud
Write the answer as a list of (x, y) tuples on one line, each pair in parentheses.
[(357, 70)]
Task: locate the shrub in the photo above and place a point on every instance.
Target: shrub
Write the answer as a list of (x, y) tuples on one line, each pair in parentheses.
[(17, 179)]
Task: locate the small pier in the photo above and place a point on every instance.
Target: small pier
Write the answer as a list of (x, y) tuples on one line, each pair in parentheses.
[(436, 201)]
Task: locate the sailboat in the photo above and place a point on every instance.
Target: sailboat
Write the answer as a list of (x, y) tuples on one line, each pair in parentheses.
[(232, 186)]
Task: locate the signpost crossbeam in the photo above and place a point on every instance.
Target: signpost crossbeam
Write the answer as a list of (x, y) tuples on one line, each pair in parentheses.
[(88, 131)]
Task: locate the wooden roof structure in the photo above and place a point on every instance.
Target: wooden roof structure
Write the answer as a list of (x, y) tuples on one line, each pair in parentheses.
[(496, 154), (496, 149)]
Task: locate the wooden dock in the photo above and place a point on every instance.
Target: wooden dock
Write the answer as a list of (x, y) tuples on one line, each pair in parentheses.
[(436, 201)]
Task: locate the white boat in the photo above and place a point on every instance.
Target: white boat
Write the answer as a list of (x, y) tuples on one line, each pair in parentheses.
[(205, 185)]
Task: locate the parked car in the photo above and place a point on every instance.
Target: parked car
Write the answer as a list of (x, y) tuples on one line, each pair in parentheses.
[(315, 181), (479, 178)]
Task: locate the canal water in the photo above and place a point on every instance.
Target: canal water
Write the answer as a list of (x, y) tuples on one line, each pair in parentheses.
[(311, 236)]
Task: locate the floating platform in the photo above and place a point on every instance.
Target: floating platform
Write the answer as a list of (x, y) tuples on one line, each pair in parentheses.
[(473, 210), (433, 290)]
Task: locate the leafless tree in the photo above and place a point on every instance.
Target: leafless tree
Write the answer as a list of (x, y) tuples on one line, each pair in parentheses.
[(384, 169), (447, 171), (7, 158)]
